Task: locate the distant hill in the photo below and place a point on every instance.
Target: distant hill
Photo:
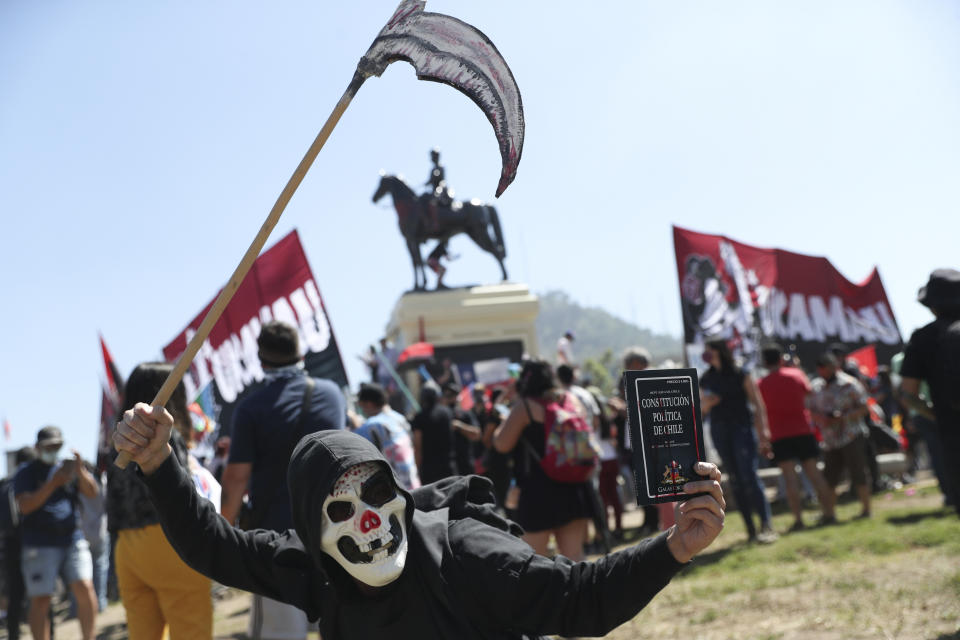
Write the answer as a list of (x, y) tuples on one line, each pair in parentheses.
[(597, 331)]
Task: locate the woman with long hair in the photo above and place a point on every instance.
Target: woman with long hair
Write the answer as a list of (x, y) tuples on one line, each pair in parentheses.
[(738, 433), (156, 587), (546, 507)]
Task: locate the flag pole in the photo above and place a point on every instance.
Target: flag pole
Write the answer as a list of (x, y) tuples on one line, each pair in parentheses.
[(396, 378), (186, 358), (441, 49)]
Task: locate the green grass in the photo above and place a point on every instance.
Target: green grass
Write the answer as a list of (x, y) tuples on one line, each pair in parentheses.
[(708, 616), (888, 532), (856, 565)]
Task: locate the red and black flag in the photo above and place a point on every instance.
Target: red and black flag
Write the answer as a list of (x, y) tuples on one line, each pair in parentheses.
[(110, 401)]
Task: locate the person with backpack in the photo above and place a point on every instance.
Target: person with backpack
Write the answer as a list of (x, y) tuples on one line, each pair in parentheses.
[(933, 355), (554, 460), (368, 559)]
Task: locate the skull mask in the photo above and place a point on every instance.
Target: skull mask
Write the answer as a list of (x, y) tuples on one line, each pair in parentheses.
[(363, 525)]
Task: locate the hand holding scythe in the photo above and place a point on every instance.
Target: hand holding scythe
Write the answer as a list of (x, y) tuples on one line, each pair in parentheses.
[(441, 49)]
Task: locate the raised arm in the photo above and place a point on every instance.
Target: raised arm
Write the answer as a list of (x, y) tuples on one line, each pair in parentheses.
[(30, 501), (85, 481), (518, 589), (470, 431), (203, 539)]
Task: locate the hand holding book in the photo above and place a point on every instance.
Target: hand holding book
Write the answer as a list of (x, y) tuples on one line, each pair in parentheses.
[(699, 518)]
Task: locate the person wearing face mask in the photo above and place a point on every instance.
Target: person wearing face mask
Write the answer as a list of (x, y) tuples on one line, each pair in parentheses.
[(738, 433), (368, 559), (53, 544)]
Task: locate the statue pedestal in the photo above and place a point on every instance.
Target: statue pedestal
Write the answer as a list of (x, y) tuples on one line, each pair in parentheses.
[(469, 324)]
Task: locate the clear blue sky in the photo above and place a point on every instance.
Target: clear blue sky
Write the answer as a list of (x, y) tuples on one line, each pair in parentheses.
[(142, 144)]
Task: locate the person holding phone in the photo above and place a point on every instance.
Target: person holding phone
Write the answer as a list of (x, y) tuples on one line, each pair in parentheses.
[(53, 543)]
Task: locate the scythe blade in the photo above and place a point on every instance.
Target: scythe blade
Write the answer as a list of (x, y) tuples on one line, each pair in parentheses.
[(444, 49), (440, 48)]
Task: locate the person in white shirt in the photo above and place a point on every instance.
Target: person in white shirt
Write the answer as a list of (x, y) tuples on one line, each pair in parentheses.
[(565, 349), (591, 410)]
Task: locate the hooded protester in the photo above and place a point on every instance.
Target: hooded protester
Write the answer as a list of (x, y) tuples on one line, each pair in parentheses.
[(369, 559)]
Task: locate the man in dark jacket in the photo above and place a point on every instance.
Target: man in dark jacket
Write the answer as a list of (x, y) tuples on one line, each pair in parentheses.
[(466, 431), (933, 356), (433, 437), (370, 560), (267, 424)]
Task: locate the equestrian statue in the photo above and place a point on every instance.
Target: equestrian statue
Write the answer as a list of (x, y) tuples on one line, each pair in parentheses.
[(435, 215)]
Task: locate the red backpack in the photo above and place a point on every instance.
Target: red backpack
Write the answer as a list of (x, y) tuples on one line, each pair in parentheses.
[(570, 452)]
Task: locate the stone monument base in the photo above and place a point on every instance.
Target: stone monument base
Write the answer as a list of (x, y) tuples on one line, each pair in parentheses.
[(468, 324)]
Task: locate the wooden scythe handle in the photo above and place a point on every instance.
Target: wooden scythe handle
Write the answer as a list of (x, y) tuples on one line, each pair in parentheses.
[(186, 358)]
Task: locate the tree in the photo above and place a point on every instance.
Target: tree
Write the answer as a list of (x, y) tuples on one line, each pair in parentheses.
[(598, 374)]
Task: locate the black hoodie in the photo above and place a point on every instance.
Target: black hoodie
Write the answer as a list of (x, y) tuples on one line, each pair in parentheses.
[(467, 574)]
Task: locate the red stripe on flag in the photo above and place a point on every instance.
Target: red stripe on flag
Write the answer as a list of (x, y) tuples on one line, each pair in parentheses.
[(114, 380), (866, 359)]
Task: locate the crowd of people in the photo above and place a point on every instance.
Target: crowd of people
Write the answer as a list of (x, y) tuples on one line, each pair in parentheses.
[(96, 531), (841, 419), (164, 527), (385, 531), (822, 425)]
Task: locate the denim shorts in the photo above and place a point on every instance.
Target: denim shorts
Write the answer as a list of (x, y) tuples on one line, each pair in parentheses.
[(42, 565)]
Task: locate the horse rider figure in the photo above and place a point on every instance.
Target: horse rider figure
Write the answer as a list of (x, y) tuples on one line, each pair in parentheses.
[(421, 219), (439, 197), (441, 251)]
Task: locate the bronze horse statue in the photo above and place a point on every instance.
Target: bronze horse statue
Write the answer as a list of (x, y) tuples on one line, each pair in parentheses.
[(423, 218)]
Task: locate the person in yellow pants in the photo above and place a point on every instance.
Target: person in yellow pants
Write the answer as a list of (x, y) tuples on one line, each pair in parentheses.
[(157, 588)]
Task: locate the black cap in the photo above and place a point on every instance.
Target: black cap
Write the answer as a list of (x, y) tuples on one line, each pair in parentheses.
[(827, 359), (278, 344), (49, 436), (942, 290), (451, 388)]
